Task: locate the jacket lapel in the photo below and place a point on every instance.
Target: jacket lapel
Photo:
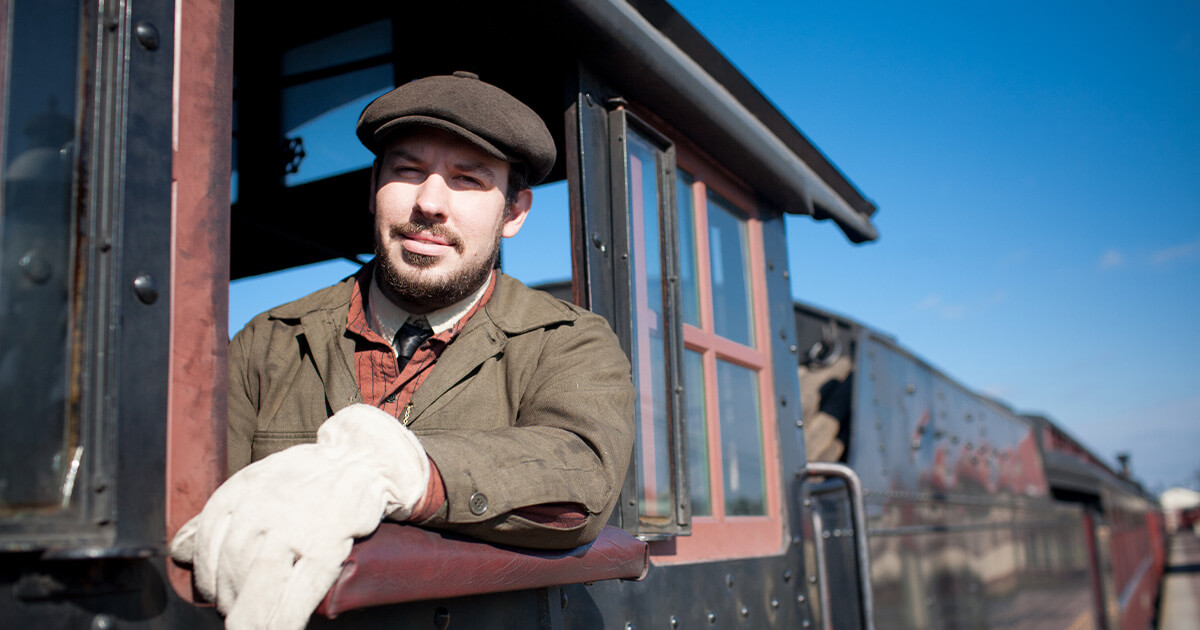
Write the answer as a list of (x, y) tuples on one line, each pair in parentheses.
[(513, 310), (332, 355), (478, 342)]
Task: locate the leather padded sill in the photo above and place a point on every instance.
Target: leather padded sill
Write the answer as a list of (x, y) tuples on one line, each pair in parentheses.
[(403, 563)]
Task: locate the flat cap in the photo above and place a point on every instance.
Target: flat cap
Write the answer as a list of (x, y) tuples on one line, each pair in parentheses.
[(476, 111)]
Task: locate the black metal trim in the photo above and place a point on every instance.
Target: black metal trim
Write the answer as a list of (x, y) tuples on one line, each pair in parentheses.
[(620, 121)]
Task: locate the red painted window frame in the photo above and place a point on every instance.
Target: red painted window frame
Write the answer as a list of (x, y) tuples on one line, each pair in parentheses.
[(719, 536)]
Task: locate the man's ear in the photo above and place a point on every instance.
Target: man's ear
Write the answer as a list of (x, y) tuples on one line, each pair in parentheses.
[(514, 216), (374, 182)]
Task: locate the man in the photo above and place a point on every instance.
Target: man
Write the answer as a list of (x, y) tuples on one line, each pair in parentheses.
[(490, 409)]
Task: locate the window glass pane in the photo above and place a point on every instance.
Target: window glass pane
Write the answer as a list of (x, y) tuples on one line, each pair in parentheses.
[(644, 217), (363, 42), (323, 115), (654, 493), (741, 440), (649, 347), (697, 434), (41, 454), (688, 277), (732, 315)]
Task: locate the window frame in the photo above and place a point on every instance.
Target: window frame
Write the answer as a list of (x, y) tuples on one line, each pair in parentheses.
[(716, 536), (721, 536), (629, 278)]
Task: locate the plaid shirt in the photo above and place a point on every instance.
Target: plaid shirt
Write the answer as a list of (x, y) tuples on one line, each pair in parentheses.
[(385, 385), (382, 382)]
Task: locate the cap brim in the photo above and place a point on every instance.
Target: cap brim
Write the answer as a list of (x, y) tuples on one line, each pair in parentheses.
[(392, 128)]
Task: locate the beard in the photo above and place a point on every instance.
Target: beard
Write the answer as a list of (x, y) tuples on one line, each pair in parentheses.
[(409, 286)]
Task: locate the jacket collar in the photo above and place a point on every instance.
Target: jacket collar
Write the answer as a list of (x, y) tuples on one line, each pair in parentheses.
[(512, 310)]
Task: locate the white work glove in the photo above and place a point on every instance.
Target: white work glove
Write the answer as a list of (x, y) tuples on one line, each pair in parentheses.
[(271, 540)]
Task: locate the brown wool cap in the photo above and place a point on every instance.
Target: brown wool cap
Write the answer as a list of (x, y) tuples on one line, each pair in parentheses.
[(476, 111)]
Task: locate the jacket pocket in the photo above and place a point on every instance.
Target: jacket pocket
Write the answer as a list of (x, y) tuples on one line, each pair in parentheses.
[(266, 443)]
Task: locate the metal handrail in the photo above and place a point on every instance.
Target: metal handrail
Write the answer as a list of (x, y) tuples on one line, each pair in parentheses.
[(858, 517)]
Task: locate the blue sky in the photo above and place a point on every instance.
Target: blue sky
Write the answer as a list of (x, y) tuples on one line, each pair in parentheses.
[(1037, 172)]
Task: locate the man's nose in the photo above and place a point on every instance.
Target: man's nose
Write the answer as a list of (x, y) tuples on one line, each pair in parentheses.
[(432, 197)]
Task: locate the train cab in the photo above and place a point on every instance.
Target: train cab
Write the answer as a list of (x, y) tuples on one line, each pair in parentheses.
[(159, 149)]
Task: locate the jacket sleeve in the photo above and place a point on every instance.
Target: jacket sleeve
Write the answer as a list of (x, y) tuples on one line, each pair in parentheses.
[(243, 408), (570, 443)]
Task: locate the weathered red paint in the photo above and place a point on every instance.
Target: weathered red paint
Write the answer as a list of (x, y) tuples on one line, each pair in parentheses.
[(200, 262)]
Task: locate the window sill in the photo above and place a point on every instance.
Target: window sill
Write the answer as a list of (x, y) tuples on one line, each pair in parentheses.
[(401, 563)]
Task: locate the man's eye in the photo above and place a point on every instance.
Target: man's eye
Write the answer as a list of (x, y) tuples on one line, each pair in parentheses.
[(470, 181)]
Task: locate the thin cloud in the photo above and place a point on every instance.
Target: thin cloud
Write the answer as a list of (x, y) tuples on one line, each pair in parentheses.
[(934, 302), (1178, 252), (1013, 258), (1112, 259), (954, 310)]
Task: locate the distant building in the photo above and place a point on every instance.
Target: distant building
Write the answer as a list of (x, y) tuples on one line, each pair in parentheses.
[(1182, 508)]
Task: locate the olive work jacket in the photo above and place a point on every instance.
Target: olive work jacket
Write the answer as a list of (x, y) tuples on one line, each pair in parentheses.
[(531, 403)]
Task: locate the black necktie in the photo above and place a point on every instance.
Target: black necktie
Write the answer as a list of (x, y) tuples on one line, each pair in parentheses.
[(408, 339)]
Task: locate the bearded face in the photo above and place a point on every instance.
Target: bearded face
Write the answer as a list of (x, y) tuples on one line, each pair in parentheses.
[(440, 211), (431, 291)]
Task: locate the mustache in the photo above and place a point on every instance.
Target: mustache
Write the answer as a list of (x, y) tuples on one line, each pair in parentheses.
[(409, 228)]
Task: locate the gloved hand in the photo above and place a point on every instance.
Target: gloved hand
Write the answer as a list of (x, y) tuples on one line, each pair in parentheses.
[(271, 540)]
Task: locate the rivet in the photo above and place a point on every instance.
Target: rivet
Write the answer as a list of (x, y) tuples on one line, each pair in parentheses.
[(562, 598), (796, 540), (617, 102), (35, 267), (770, 265), (911, 389), (916, 444), (808, 503), (774, 603), (103, 622), (147, 35), (441, 618), (729, 580), (674, 621), (712, 617), (793, 348), (629, 626), (806, 624), (787, 575), (812, 579), (800, 599), (145, 288), (745, 611), (785, 273), (597, 242), (800, 424)]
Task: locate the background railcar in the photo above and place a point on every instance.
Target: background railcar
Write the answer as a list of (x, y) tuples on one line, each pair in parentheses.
[(977, 516)]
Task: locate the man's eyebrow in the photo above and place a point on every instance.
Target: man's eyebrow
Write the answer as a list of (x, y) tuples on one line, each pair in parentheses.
[(476, 167), (402, 154)]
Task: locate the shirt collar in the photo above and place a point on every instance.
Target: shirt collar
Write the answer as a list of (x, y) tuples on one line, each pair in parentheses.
[(386, 317)]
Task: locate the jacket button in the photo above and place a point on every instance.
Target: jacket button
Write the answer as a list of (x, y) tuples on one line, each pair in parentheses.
[(478, 503)]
